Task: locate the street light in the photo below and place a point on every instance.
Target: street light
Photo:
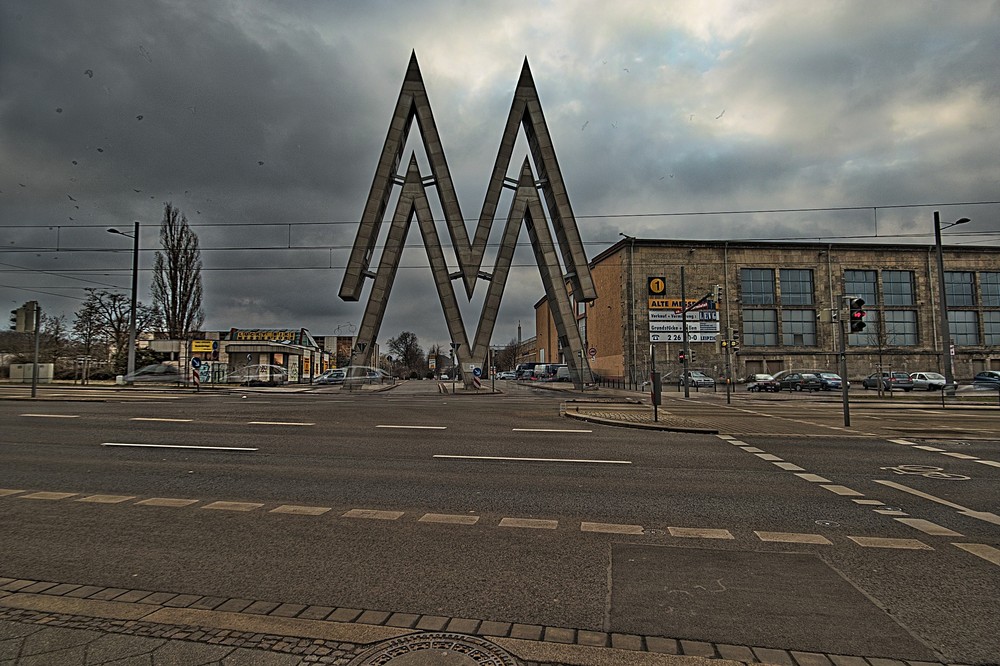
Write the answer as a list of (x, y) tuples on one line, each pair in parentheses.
[(130, 369), (949, 372)]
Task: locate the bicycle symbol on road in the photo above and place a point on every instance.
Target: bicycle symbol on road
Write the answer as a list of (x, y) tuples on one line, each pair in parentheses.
[(927, 471)]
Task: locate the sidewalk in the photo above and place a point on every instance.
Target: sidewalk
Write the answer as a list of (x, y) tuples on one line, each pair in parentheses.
[(49, 624)]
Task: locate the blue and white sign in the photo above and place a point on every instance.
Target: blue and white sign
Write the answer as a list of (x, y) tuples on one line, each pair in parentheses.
[(195, 362), (478, 372)]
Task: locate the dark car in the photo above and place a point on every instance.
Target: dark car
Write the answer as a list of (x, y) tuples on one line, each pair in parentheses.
[(988, 379), (890, 381), (762, 382), (831, 381), (800, 381)]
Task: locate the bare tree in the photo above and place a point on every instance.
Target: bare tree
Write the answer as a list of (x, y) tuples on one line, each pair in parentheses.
[(508, 357), (177, 289), (407, 348), (104, 320)]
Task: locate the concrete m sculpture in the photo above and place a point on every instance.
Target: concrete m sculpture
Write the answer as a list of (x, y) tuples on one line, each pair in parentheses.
[(526, 207)]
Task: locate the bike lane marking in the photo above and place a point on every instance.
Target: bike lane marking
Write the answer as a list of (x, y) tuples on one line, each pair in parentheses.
[(988, 553)]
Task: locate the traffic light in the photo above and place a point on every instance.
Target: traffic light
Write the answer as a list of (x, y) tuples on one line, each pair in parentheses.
[(858, 315), (680, 357)]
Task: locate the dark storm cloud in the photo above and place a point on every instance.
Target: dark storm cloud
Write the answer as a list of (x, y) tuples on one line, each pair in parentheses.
[(256, 119)]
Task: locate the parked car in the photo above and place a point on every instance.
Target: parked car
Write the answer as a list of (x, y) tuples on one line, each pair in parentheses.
[(332, 376), (557, 373), (927, 381), (507, 374), (890, 381), (831, 381), (762, 382), (262, 374), (158, 372), (696, 378), (988, 379), (800, 381)]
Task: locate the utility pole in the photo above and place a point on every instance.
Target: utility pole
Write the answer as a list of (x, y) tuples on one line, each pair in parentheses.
[(843, 365), (684, 336)]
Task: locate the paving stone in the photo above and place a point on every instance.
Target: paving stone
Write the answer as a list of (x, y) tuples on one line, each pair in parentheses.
[(62, 589), (4, 581), (158, 598), (810, 659), (662, 645), (108, 593), (559, 635), (490, 628), (433, 623), (12, 630), (626, 642), (288, 610), (132, 596), (461, 625), (776, 657), (182, 601), (245, 657), (110, 647), (57, 638), (527, 632), (373, 617), (185, 653), (233, 605), (402, 620), (736, 653), (922, 663), (84, 592), (65, 657), (878, 661), (37, 588), (592, 638), (261, 607), (18, 584), (344, 615), (316, 612), (697, 649), (208, 603)]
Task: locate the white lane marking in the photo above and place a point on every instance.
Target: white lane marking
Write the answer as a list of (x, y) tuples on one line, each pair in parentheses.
[(297, 510), (150, 418), (929, 448), (725, 437), (991, 463), (413, 427), (373, 514), (545, 430), (561, 460), (843, 490), (789, 467), (792, 537), (700, 533), (180, 446), (752, 449), (879, 542), (988, 553), (913, 491), (901, 441), (530, 523), (167, 501), (770, 457), (233, 506), (982, 515), (610, 528), (53, 416), (813, 478), (927, 527), (448, 519), (960, 456), (281, 423)]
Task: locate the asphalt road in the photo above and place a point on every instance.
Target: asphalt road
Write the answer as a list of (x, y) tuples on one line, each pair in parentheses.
[(495, 507)]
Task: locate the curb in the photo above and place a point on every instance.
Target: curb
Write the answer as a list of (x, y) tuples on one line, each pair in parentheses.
[(573, 412)]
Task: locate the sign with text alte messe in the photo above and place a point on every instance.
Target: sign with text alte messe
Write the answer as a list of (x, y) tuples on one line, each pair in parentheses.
[(526, 207)]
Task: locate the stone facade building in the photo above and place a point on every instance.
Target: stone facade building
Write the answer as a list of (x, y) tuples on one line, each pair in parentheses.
[(784, 303)]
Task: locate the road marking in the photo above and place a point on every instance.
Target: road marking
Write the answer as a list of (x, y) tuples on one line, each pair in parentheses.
[(9, 491), (151, 418), (233, 506), (106, 499), (725, 436), (279, 423), (843, 490), (982, 515), (546, 430), (881, 542), (373, 514), (167, 501), (813, 478), (448, 519), (53, 416), (991, 463), (789, 467), (413, 427), (610, 528), (561, 460), (988, 553), (960, 456), (929, 448), (699, 533), (770, 457), (530, 523), (752, 449), (891, 512), (869, 502), (180, 446), (913, 491), (47, 496), (927, 527), (901, 441), (791, 537), (301, 510), (737, 442)]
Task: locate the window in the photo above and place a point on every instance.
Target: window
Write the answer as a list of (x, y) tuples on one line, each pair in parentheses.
[(900, 327), (757, 286), (990, 283), (868, 337), (897, 288), (760, 328), (964, 327), (863, 284), (958, 288), (798, 327), (796, 286), (991, 327)]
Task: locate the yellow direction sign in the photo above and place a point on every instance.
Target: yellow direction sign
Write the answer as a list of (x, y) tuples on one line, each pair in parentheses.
[(201, 346)]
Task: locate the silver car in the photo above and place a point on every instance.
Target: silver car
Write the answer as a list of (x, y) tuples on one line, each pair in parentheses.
[(927, 381)]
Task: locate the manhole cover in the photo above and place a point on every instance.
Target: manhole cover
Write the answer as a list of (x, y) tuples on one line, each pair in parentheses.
[(827, 523), (435, 649)]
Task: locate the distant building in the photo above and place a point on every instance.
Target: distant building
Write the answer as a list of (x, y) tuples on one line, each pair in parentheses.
[(777, 299)]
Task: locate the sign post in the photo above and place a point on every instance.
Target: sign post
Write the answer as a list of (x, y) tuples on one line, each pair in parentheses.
[(196, 372)]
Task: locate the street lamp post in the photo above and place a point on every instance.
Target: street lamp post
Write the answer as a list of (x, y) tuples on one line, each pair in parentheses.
[(946, 362), (130, 368)]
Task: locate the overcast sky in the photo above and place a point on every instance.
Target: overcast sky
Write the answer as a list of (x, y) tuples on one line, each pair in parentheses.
[(263, 122)]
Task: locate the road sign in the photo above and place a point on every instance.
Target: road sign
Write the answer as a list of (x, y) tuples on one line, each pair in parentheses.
[(656, 286), (201, 346), (196, 362), (478, 372), (592, 351)]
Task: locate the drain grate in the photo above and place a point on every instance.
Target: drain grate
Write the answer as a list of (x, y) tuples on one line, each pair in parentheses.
[(435, 648)]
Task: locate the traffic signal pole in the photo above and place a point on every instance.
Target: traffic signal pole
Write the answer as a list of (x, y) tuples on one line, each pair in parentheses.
[(684, 337), (843, 369)]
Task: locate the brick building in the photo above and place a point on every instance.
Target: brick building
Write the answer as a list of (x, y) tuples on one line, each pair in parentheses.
[(782, 301)]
